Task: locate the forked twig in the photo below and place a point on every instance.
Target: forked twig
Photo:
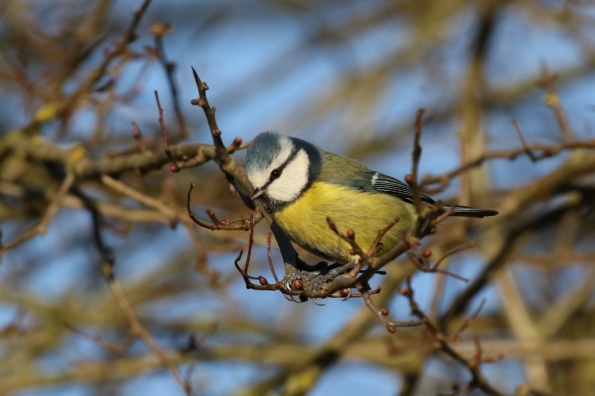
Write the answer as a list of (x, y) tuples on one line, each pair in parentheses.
[(159, 30), (423, 264), (356, 249), (263, 284), (241, 224), (441, 342), (234, 173), (382, 315), (534, 151)]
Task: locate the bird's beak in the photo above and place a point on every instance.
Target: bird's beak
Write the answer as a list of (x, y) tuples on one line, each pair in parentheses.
[(257, 193)]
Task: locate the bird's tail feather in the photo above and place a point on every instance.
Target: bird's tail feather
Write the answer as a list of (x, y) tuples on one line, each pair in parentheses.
[(466, 211)]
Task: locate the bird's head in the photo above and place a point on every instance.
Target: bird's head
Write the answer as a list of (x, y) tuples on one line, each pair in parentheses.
[(280, 168)]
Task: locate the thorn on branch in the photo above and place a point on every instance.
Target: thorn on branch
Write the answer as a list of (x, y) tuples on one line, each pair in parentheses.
[(209, 111)]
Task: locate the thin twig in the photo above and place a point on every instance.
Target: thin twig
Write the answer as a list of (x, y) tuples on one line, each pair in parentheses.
[(41, 227), (381, 314), (441, 341), (144, 199), (175, 165), (416, 156), (528, 151), (159, 30), (270, 234), (548, 82), (356, 249), (470, 320), (263, 284), (423, 265), (106, 345), (234, 173), (537, 151), (209, 112), (138, 137), (241, 224), (96, 73), (456, 250)]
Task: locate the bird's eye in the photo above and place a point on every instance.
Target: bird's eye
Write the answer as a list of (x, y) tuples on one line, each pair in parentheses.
[(275, 174)]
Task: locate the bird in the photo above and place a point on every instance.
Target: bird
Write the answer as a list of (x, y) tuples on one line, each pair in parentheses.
[(300, 185)]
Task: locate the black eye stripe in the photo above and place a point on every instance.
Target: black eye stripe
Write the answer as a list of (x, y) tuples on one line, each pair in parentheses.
[(287, 161), (276, 173)]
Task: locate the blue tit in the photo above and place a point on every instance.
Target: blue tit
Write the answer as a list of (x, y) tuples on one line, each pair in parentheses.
[(299, 185)]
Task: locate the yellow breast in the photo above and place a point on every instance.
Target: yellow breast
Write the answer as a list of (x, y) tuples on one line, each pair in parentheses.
[(366, 213)]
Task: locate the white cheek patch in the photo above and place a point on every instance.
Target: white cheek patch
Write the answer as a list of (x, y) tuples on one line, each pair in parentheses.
[(261, 177), (293, 179)]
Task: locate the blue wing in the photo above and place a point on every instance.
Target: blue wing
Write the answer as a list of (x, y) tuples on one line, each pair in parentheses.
[(389, 185)]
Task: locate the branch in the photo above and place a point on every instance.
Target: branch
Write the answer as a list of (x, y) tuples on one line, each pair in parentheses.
[(241, 224), (263, 284), (234, 173), (66, 107), (511, 241), (136, 327), (534, 151), (41, 227), (412, 179), (159, 30), (83, 167), (552, 99), (175, 167), (441, 342)]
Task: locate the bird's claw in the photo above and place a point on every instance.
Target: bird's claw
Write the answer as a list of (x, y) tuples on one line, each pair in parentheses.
[(313, 281), (317, 303)]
